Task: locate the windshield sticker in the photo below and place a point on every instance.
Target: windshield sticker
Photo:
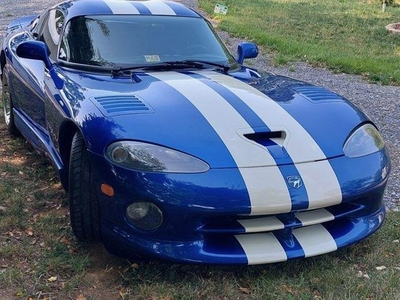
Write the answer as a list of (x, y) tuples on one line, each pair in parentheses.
[(152, 58)]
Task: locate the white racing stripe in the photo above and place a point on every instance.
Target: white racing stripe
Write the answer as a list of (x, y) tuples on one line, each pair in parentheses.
[(267, 190), (266, 224), (159, 8), (321, 183), (265, 247), (222, 116), (315, 240), (315, 217), (261, 248), (266, 186), (261, 224), (319, 179), (121, 7)]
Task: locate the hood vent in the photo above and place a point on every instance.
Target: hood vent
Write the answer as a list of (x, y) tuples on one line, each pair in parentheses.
[(267, 138), (121, 105), (273, 141), (319, 94)]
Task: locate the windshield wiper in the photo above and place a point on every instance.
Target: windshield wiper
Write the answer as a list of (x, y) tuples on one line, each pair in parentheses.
[(198, 64), (201, 63), (127, 71)]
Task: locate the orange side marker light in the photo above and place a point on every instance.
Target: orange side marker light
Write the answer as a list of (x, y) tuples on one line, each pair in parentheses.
[(107, 189)]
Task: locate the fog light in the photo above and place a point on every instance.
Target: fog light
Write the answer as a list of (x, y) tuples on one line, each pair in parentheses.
[(144, 215)]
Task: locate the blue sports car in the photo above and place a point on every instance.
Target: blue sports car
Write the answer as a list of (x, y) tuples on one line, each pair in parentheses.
[(169, 147)]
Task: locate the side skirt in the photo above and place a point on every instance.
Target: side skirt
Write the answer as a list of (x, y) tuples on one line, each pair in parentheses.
[(39, 139)]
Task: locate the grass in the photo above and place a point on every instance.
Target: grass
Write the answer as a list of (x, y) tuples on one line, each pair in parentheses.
[(332, 276), (347, 35), (40, 259), (34, 227)]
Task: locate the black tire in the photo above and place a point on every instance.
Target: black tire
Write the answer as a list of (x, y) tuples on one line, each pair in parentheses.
[(8, 107), (84, 205)]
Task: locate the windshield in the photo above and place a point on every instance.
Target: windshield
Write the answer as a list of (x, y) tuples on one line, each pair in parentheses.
[(125, 40)]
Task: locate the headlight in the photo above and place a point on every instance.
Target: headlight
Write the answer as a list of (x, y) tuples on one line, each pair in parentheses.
[(365, 140), (152, 158)]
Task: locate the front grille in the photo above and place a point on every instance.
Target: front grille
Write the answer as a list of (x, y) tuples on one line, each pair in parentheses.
[(281, 221)]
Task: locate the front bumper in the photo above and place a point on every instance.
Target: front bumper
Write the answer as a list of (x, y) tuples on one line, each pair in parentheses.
[(256, 248), (206, 216)]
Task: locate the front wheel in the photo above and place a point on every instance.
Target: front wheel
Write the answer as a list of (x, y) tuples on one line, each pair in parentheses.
[(8, 107), (84, 205)]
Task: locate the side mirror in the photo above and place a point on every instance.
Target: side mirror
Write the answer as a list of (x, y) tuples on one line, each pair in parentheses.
[(38, 51), (246, 50), (34, 50)]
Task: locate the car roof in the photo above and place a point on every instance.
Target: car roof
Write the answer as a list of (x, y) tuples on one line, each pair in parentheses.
[(75, 8)]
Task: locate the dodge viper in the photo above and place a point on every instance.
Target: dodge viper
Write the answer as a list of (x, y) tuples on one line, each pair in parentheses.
[(170, 147)]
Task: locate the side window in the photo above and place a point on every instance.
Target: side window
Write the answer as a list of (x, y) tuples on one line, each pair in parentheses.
[(51, 31)]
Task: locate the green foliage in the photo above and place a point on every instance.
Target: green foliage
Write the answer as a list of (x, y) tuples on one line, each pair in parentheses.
[(347, 36)]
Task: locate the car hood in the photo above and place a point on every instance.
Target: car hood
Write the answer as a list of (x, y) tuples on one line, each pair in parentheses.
[(227, 122)]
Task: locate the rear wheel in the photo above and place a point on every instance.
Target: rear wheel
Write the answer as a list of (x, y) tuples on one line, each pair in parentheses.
[(84, 205), (8, 107)]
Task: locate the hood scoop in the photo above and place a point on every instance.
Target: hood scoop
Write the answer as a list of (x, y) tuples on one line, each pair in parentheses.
[(317, 94), (273, 141), (267, 138), (121, 105)]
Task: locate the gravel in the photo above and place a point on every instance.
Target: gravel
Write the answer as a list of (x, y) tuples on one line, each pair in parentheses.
[(381, 103)]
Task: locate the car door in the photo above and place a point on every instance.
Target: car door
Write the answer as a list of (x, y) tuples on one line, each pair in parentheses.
[(29, 79)]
